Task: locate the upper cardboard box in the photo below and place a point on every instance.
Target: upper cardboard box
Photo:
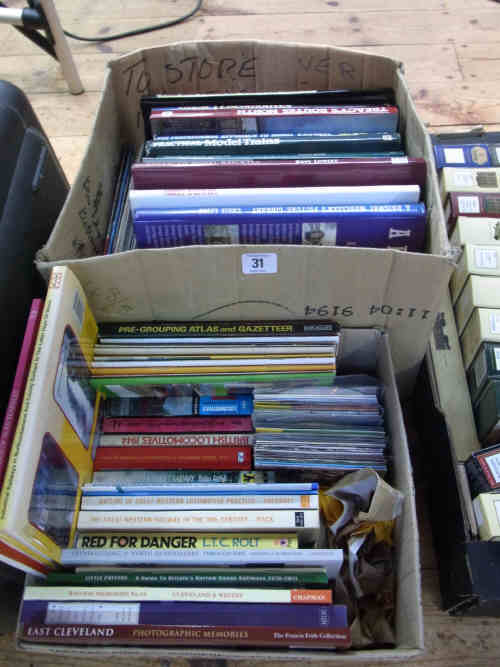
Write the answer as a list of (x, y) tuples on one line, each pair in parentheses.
[(357, 287)]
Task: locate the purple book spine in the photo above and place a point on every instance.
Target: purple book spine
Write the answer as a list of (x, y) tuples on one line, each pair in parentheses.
[(17, 392), (213, 614), (395, 226)]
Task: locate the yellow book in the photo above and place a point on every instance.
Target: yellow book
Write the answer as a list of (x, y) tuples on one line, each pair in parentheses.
[(51, 452), (130, 540)]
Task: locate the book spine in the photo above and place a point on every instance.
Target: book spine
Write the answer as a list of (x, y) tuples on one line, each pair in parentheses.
[(280, 173), (129, 540), (183, 331), (182, 476), (164, 458), (215, 578), (302, 521), (173, 594), (373, 226), (478, 205), (466, 155), (177, 440), (158, 635), (213, 614), (16, 395), (330, 559), (199, 502), (196, 371), (301, 196), (233, 488), (182, 425)]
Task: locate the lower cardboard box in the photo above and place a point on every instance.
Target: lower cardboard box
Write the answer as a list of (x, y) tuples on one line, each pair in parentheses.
[(468, 567), (363, 350)]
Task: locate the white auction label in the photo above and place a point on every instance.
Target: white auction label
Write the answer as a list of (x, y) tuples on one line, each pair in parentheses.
[(497, 358), (266, 262), (454, 156), (493, 463), (95, 613), (463, 179), (468, 205), (494, 323), (485, 258)]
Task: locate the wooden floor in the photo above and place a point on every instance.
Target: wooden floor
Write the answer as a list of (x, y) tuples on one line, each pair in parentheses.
[(451, 52)]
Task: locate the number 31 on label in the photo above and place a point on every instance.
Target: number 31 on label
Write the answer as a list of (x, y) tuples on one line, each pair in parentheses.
[(266, 262)]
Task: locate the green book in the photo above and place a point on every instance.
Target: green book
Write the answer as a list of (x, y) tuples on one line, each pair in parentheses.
[(202, 577)]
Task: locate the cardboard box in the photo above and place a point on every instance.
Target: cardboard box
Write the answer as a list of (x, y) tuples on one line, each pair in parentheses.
[(483, 326), (476, 230), (477, 260), (361, 351), (478, 292), (468, 567), (358, 287)]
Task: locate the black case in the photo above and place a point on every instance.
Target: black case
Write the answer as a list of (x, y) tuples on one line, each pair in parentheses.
[(33, 189)]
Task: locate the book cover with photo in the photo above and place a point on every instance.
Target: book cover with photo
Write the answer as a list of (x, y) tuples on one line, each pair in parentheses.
[(51, 454)]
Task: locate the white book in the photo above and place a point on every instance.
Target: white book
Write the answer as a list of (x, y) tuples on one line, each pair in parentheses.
[(199, 502), (177, 200), (171, 594), (202, 350), (330, 559), (476, 230), (304, 522)]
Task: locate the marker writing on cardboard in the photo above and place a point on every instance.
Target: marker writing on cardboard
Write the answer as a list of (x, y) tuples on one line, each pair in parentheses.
[(408, 312), (322, 65), (195, 68)]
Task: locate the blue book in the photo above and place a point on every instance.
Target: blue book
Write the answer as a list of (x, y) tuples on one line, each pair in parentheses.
[(192, 623), (400, 226), (467, 154), (239, 404)]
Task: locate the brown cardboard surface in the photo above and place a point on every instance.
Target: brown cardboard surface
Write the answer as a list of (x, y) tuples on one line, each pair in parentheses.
[(358, 287), (373, 347)]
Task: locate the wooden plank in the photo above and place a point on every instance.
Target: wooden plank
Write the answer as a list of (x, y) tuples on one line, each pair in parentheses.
[(457, 103), (478, 62), (74, 113), (346, 29)]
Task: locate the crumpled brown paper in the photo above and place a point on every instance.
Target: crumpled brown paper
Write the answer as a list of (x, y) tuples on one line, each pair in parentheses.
[(360, 510)]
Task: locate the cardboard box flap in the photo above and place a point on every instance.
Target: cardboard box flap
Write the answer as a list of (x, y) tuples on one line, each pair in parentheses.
[(397, 291), (221, 66)]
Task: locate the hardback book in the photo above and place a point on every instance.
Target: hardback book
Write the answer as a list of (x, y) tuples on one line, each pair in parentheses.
[(215, 332), (234, 577), (477, 260), (483, 470), (487, 511), (467, 151), (333, 195), (191, 623), (254, 120), (172, 458), (487, 413), (146, 477), (181, 425), (303, 521), (476, 230), (467, 204), (51, 455), (479, 291), (17, 392), (156, 540), (176, 440), (462, 179), (400, 226), (258, 486), (193, 501), (273, 146), (251, 173), (483, 327), (485, 367), (173, 594)]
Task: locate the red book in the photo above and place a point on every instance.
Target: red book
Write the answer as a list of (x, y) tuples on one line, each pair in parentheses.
[(281, 173), (481, 205), (190, 424), (17, 393), (173, 458)]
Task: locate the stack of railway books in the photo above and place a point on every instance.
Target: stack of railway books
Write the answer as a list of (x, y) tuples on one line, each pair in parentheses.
[(161, 555), (470, 186), (324, 169)]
